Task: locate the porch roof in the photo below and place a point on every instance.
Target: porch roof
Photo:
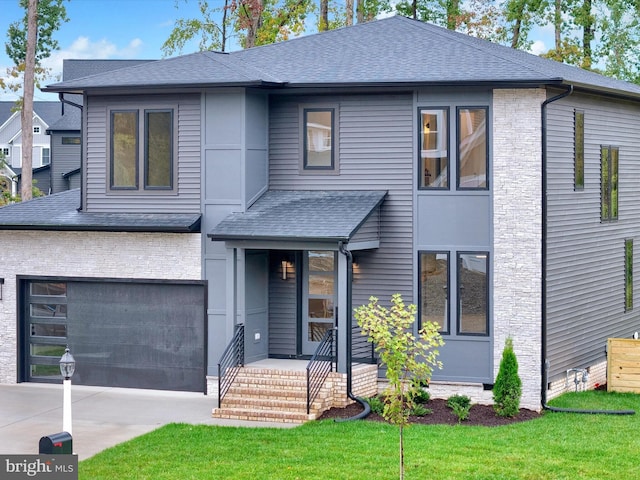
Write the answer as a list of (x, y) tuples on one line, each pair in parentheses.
[(284, 215)]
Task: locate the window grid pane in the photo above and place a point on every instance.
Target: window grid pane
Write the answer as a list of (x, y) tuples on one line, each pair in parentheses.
[(472, 148), (473, 313), (434, 289), (124, 149), (158, 149)]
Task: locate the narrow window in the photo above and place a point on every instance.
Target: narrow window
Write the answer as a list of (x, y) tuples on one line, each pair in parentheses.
[(6, 152), (628, 274), (434, 145), (434, 289), (124, 149), (158, 162), (578, 150), (46, 156), (318, 139), (609, 182), (473, 147), (473, 294), (70, 140)]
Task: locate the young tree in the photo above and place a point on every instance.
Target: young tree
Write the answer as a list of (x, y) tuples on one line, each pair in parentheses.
[(409, 361), (28, 44), (508, 387)]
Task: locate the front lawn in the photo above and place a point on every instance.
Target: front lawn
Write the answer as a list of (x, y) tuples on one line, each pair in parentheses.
[(555, 446)]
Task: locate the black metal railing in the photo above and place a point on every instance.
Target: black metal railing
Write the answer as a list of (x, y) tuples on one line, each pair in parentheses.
[(362, 350), (320, 365), (230, 362)]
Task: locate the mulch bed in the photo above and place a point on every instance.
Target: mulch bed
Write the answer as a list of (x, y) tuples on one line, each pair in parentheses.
[(478, 415)]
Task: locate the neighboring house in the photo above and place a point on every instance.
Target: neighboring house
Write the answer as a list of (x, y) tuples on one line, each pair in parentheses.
[(493, 188)]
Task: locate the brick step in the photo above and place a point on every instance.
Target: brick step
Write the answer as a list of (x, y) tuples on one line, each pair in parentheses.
[(233, 401), (273, 393), (251, 414), (270, 383)]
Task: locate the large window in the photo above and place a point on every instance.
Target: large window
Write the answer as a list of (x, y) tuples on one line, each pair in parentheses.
[(147, 161), (319, 152), (434, 289), (473, 148), (578, 141), (46, 156), (609, 182), (473, 293), (434, 147)]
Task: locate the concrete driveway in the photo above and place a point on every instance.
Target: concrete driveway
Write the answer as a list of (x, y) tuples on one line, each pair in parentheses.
[(102, 417)]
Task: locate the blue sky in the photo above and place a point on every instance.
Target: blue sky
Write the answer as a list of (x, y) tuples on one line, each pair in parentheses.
[(114, 29)]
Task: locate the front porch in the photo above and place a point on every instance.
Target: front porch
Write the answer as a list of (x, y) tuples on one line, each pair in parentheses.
[(277, 390)]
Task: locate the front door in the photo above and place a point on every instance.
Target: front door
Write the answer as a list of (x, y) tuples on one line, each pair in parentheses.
[(319, 297)]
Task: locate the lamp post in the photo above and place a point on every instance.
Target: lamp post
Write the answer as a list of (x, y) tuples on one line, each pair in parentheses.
[(67, 367)]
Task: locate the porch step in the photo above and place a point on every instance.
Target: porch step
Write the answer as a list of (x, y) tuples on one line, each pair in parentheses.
[(264, 394)]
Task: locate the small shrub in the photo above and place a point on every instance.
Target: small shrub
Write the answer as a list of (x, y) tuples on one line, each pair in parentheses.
[(422, 396), (461, 411), (508, 387), (376, 404), (461, 406), (461, 400), (419, 410)]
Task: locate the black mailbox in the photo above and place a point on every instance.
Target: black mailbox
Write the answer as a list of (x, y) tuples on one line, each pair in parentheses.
[(57, 443)]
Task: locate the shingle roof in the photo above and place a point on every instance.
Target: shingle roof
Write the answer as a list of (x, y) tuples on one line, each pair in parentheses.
[(60, 212), (50, 112), (389, 51), (301, 215)]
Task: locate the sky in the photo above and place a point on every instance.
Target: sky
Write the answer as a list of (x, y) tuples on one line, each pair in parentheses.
[(118, 29)]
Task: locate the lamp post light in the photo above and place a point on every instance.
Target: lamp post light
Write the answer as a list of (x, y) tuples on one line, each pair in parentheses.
[(67, 367)]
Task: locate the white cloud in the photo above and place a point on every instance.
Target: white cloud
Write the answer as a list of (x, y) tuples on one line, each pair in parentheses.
[(538, 47), (84, 48)]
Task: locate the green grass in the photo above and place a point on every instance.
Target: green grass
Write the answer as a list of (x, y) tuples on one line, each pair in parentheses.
[(555, 446)]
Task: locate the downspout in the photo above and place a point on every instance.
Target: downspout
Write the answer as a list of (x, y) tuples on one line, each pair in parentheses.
[(65, 101), (349, 320), (545, 362)]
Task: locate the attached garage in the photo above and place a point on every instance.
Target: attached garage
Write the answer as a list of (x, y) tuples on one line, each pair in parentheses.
[(123, 333)]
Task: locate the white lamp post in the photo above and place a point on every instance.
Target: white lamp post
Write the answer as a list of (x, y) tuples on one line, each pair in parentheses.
[(67, 367)]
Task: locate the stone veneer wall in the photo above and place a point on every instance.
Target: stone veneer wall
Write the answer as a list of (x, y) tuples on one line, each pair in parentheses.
[(517, 230), (86, 254)]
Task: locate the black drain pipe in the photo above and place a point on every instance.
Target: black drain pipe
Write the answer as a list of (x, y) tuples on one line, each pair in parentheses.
[(349, 333), (545, 362)]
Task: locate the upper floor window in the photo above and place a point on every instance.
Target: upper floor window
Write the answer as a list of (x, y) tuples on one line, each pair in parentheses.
[(434, 147), (142, 149), (473, 148), (46, 156), (609, 182), (36, 129), (578, 141), (319, 132), (6, 152)]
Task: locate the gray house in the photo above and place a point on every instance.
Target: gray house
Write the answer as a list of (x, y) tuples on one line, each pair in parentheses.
[(235, 207)]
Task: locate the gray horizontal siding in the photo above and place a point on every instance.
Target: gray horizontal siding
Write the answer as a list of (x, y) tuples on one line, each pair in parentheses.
[(65, 158), (282, 308), (376, 153), (585, 257), (187, 199)]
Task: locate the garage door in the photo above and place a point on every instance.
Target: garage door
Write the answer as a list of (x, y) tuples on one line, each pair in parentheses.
[(122, 334)]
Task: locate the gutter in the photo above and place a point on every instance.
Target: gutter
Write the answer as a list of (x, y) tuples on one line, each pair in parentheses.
[(81, 108), (545, 361), (349, 318)]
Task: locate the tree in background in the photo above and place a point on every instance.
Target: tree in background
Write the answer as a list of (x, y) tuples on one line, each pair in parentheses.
[(29, 42)]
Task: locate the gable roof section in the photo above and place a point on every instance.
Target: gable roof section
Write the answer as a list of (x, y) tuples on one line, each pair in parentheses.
[(49, 112), (281, 215), (390, 51), (60, 212)]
